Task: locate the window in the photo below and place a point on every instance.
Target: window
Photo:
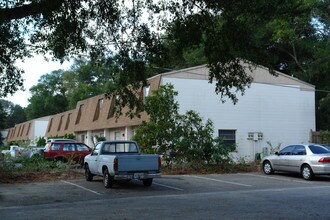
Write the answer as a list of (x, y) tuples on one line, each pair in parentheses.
[(119, 148), (98, 109), (299, 150), (287, 150), (96, 149), (146, 91), (111, 112), (28, 130), (22, 131), (50, 124), (67, 122), (60, 124), (109, 148), (318, 149), (228, 137), (19, 131), (81, 108), (69, 147), (82, 138), (13, 133), (55, 147), (81, 147), (117, 135)]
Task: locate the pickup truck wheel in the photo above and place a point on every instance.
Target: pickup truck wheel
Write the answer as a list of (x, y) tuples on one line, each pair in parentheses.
[(88, 174), (107, 179), (147, 182)]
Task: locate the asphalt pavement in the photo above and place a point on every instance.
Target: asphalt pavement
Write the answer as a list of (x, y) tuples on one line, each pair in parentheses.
[(215, 196)]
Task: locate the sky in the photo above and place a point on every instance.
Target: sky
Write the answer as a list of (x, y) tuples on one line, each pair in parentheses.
[(34, 68)]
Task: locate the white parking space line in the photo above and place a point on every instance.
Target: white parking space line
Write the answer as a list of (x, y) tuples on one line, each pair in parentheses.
[(89, 190), (221, 181), (170, 187), (276, 178)]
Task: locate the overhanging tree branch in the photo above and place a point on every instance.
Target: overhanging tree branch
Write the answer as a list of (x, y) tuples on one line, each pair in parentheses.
[(8, 14)]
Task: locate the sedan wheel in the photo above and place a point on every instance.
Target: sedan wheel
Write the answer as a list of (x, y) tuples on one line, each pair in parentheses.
[(307, 172), (267, 167)]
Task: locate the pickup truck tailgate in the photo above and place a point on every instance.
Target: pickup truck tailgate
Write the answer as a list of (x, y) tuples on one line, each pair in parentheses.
[(131, 163)]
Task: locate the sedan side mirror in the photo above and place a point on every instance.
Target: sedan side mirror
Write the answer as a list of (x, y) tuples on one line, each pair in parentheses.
[(276, 153)]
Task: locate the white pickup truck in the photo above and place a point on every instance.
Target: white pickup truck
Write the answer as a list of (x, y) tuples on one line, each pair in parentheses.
[(121, 160)]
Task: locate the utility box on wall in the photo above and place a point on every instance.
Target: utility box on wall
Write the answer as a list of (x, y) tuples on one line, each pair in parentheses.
[(265, 151), (255, 136)]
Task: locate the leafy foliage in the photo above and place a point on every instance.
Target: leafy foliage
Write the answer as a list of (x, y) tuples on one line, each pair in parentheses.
[(290, 36), (48, 96), (195, 143), (3, 116), (69, 136), (3, 124), (179, 138), (15, 114), (86, 79), (160, 130), (323, 113), (41, 141), (1, 140), (325, 136)]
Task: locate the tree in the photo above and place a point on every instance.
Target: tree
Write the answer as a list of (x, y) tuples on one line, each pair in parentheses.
[(41, 141), (3, 124), (86, 79), (61, 90), (196, 143), (160, 131), (323, 111), (15, 114), (1, 140), (48, 96), (3, 116), (277, 34)]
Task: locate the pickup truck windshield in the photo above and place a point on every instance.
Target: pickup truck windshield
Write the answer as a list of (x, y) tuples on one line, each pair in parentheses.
[(119, 148)]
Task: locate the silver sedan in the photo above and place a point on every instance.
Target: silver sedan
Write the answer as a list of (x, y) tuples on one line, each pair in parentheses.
[(308, 160)]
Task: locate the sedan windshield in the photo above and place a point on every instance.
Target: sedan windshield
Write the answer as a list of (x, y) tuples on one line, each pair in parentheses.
[(318, 149)]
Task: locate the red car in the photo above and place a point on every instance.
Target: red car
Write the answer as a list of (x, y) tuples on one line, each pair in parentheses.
[(66, 151)]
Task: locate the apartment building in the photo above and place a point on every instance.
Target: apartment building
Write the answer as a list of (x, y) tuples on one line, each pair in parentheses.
[(275, 109)]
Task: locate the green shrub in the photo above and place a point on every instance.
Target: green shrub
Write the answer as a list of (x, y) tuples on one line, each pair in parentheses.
[(70, 136), (41, 141)]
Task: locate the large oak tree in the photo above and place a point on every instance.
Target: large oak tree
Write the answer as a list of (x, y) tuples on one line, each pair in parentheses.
[(290, 36)]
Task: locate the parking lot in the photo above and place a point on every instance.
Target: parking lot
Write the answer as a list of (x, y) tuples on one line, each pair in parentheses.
[(215, 196)]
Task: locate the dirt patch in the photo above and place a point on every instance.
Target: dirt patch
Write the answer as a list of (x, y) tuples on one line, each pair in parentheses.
[(77, 173)]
